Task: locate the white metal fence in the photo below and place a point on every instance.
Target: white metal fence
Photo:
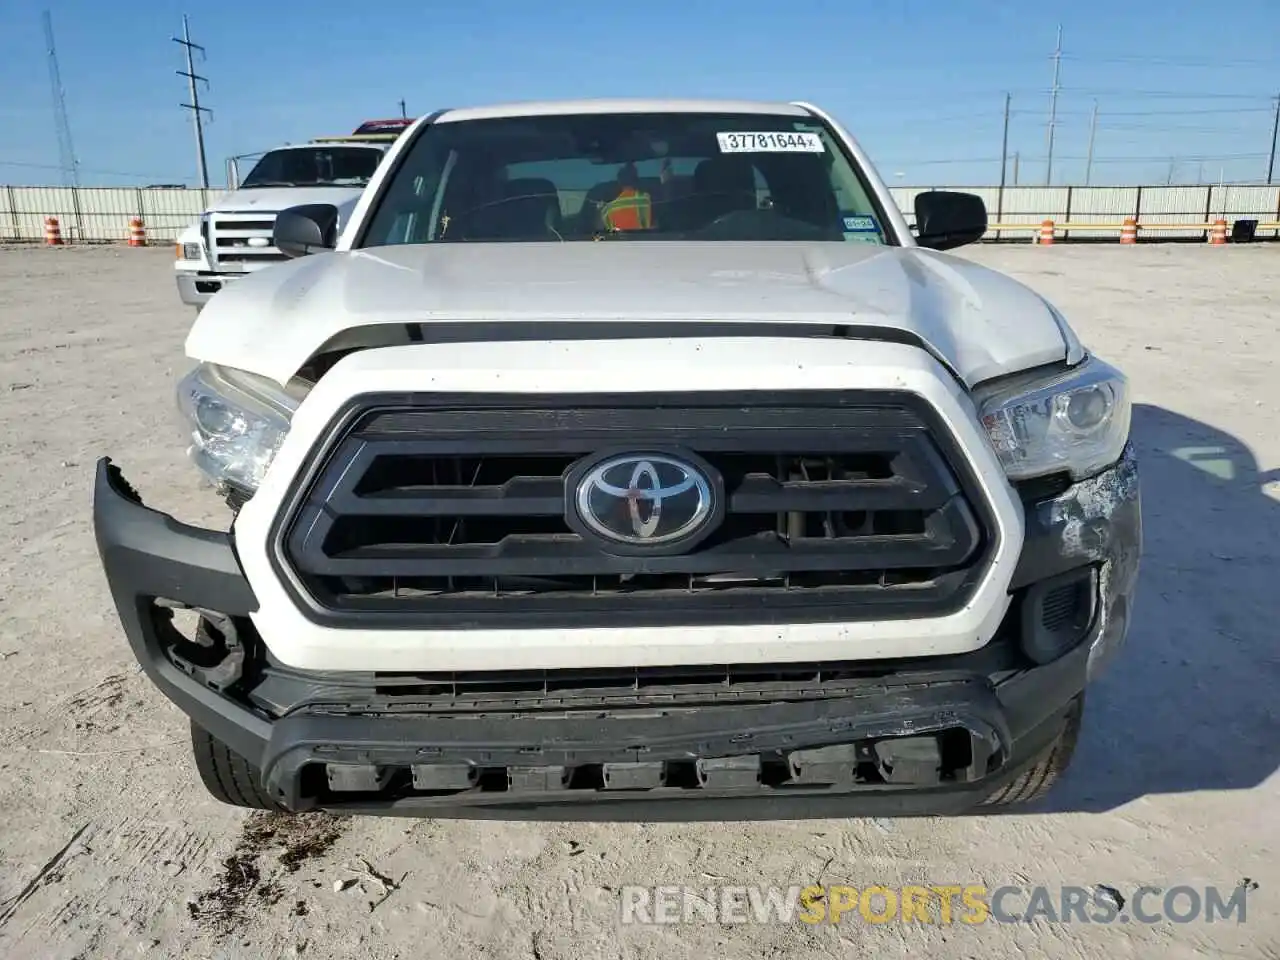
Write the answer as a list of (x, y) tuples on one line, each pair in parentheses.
[(1150, 206), (102, 214), (99, 214)]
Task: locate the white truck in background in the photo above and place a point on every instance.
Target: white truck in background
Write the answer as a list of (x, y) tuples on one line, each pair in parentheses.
[(232, 238)]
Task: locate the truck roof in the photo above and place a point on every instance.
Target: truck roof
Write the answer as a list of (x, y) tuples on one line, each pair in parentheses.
[(322, 141), (537, 108)]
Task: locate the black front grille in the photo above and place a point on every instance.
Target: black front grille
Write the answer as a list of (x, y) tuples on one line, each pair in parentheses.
[(267, 225), (250, 257), (450, 512)]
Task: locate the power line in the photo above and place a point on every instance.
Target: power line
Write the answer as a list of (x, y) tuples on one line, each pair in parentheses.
[(1159, 113), (197, 111), (1181, 158), (110, 173), (1163, 94), (1171, 61), (1182, 128)]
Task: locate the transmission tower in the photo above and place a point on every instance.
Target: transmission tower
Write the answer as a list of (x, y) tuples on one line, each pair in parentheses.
[(197, 111), (1053, 106), (66, 152)]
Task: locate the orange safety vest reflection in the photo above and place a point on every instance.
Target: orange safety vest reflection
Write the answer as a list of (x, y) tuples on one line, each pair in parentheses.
[(630, 210)]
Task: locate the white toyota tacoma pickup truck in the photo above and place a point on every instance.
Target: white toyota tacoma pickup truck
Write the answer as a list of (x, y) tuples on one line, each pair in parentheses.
[(632, 459)]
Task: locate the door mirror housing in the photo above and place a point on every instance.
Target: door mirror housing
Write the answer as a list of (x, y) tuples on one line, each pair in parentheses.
[(947, 218), (305, 229)]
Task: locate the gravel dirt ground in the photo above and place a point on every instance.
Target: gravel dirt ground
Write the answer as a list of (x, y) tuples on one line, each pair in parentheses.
[(109, 847)]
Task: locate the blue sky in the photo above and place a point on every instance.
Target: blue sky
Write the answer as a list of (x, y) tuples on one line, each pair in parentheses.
[(1184, 87)]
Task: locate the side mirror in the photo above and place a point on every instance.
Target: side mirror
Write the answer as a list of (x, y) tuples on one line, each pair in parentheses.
[(304, 229), (947, 219)]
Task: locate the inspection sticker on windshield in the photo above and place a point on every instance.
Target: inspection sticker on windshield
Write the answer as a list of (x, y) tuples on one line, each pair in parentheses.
[(770, 141), (860, 224)]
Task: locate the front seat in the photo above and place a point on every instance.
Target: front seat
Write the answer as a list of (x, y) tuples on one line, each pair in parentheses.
[(723, 185), (528, 208)]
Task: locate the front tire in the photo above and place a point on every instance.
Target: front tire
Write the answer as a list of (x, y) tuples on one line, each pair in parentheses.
[(228, 776), (1036, 782)]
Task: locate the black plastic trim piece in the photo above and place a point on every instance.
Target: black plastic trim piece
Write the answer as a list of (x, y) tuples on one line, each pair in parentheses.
[(1039, 643), (200, 566), (1010, 722), (162, 557), (148, 555), (586, 739), (516, 331)]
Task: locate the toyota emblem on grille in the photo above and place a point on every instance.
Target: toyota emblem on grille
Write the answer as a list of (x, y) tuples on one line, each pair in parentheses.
[(646, 500)]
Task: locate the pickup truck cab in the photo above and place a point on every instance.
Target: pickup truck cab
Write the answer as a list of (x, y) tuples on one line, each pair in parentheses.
[(634, 459)]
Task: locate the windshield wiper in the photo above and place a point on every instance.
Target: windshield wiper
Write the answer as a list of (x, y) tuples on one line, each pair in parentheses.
[(267, 183)]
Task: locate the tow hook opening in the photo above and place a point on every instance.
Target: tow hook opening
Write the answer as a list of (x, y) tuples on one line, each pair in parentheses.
[(203, 644)]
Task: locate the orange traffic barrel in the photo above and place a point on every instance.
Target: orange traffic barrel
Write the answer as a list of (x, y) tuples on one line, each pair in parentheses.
[(137, 233), (1218, 235), (52, 232), (1129, 231), (1046, 233)]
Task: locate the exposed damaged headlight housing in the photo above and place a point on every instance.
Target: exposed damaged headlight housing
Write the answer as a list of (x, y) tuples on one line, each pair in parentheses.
[(1075, 421), (238, 421)]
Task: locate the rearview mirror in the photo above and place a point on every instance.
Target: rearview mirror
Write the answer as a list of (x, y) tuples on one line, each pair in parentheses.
[(947, 219), (308, 228)]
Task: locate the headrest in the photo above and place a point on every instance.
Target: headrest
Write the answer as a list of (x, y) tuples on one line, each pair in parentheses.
[(529, 187), (721, 174)]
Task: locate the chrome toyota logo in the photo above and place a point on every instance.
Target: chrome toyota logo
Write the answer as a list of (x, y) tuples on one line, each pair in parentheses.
[(645, 500)]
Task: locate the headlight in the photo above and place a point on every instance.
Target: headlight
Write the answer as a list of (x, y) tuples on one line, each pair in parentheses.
[(189, 251), (1077, 421), (237, 422)]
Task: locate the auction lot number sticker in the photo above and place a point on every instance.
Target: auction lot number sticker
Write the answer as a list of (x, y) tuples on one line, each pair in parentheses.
[(770, 141)]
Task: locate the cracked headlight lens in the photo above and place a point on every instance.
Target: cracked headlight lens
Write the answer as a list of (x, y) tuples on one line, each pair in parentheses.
[(237, 422), (1075, 420)]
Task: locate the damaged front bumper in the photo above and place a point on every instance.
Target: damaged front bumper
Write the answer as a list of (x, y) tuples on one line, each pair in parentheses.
[(930, 735)]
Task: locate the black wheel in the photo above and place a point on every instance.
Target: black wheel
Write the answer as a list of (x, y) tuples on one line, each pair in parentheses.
[(227, 775), (1039, 779)]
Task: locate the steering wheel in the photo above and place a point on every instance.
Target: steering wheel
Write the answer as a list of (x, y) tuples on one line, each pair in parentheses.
[(754, 219)]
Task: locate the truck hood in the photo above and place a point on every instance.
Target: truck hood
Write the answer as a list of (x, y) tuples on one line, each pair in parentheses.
[(980, 323), (277, 198)]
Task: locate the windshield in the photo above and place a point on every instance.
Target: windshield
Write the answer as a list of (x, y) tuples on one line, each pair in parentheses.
[(669, 176), (314, 166)]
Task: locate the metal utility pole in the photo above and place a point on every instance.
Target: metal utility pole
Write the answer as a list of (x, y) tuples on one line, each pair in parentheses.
[(1004, 159), (1093, 129), (1016, 155), (1275, 129), (66, 152), (194, 105), (403, 115), (1053, 106)]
